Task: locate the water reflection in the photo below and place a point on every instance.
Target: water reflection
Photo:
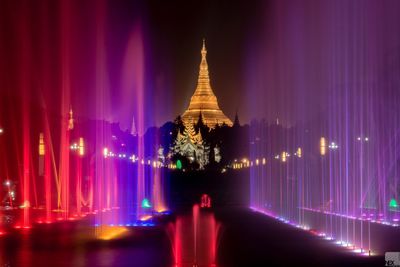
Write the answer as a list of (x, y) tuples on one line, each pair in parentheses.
[(194, 239), (193, 236), (75, 244)]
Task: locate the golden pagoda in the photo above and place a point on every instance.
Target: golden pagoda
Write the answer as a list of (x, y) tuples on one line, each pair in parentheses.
[(204, 101)]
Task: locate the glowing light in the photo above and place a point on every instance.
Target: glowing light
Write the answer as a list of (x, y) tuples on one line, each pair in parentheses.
[(393, 203), (299, 152), (25, 205), (71, 120), (161, 210), (105, 152), (257, 162), (146, 203), (41, 145), (178, 164), (322, 146), (111, 232), (1, 130), (284, 156), (81, 146), (145, 218), (264, 161), (205, 201), (333, 146)]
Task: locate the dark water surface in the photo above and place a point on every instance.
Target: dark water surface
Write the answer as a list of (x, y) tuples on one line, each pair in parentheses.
[(226, 237)]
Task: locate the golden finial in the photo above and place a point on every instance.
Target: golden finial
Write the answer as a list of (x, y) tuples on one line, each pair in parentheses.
[(203, 49)]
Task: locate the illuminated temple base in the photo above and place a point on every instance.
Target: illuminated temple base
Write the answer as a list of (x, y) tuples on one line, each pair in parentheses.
[(210, 117)]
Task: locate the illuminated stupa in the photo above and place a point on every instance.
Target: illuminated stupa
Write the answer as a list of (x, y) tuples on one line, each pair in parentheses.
[(203, 100)]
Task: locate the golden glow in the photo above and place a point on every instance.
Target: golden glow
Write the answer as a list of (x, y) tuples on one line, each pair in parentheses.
[(160, 209), (257, 161), (110, 232), (41, 145), (105, 152), (203, 100), (146, 217), (81, 147), (71, 120), (283, 157), (264, 161), (25, 205), (322, 146), (299, 152)]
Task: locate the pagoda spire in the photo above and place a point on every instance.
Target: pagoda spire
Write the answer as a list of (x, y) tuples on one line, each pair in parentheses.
[(133, 128), (204, 99), (203, 83), (236, 121)]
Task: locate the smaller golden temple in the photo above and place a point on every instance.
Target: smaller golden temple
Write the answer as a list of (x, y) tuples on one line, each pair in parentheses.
[(203, 100)]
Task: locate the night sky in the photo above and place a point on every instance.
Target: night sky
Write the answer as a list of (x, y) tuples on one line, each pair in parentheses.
[(267, 59)]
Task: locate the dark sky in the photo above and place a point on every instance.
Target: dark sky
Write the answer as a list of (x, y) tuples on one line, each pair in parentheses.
[(38, 37), (267, 58)]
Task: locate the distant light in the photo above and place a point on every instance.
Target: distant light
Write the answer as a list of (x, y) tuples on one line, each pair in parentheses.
[(81, 146), (146, 203), (25, 205), (145, 217), (333, 145), (110, 232), (366, 139), (257, 161), (1, 130), (41, 145), (7, 183), (299, 152), (322, 146), (178, 164), (284, 156), (105, 152), (393, 203), (264, 161), (359, 138)]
